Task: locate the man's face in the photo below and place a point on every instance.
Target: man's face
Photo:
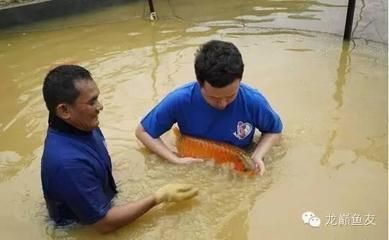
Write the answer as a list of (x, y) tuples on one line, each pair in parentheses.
[(83, 113), (219, 98)]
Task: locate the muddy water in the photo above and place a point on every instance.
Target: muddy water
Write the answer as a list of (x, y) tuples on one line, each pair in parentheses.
[(332, 99)]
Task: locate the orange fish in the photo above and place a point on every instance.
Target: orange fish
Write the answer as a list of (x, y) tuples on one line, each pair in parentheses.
[(221, 153)]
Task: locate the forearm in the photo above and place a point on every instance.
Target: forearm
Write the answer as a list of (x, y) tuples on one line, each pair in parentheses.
[(265, 143), (119, 216), (155, 145)]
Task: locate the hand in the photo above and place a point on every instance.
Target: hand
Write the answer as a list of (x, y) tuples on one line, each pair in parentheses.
[(259, 166), (175, 192), (188, 160)]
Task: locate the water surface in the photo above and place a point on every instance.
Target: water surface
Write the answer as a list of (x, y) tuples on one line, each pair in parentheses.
[(332, 99)]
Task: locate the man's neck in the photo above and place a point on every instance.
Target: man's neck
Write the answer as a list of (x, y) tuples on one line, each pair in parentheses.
[(62, 126)]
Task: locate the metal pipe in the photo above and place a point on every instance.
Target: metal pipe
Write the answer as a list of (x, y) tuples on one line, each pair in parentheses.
[(349, 20), (151, 5), (153, 14)]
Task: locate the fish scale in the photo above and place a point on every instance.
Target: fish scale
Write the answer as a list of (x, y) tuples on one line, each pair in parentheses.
[(221, 153)]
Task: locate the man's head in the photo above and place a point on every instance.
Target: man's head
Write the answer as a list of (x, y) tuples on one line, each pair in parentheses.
[(219, 69), (71, 94)]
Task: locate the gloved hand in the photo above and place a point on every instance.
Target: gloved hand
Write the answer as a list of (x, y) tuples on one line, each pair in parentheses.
[(175, 192)]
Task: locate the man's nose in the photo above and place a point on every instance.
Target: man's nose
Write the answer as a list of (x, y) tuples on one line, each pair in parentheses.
[(223, 103), (99, 106)]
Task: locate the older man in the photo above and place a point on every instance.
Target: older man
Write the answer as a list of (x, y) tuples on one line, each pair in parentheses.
[(76, 170)]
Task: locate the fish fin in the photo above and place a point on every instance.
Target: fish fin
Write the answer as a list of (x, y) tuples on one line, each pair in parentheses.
[(177, 132)]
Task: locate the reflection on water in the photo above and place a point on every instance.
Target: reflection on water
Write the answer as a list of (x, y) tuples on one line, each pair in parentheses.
[(343, 69), (155, 66), (332, 98)]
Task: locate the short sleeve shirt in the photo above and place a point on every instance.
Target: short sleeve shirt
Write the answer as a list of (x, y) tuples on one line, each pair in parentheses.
[(195, 117), (76, 175)]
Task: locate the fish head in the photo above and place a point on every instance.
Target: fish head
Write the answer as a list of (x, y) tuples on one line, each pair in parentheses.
[(247, 161)]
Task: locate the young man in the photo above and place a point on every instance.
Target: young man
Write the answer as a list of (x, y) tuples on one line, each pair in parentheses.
[(76, 169), (216, 107)]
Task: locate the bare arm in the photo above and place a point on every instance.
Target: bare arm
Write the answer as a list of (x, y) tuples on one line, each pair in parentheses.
[(265, 143), (157, 146), (119, 216)]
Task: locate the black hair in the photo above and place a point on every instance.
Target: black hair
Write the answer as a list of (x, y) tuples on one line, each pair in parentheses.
[(219, 63), (59, 85)]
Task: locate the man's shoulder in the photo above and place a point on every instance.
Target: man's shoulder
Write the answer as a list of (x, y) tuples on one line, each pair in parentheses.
[(181, 95), (184, 90), (62, 147), (251, 93), (59, 139)]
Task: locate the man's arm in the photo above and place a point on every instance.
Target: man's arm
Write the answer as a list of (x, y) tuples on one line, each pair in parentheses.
[(119, 216), (157, 146), (266, 141)]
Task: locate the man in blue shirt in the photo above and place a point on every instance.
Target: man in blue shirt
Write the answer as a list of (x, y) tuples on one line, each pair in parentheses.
[(76, 169), (217, 107)]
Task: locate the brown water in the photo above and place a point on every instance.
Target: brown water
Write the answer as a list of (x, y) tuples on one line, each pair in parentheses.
[(332, 99)]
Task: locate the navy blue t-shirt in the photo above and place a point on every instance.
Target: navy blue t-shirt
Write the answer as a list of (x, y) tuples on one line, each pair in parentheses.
[(195, 117), (76, 174)]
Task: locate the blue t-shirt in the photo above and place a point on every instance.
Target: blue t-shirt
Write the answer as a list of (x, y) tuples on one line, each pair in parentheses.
[(195, 117), (76, 174)]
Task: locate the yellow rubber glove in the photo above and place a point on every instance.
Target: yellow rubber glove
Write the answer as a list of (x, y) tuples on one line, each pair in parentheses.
[(175, 192)]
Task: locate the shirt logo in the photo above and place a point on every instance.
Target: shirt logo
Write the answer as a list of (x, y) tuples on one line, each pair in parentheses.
[(243, 130)]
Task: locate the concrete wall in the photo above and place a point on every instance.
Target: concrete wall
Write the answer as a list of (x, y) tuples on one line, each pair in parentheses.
[(29, 11)]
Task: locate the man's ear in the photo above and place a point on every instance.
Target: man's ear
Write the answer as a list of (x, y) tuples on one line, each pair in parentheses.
[(63, 111)]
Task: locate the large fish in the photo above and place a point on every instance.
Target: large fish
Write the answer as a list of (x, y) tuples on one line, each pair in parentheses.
[(221, 153)]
